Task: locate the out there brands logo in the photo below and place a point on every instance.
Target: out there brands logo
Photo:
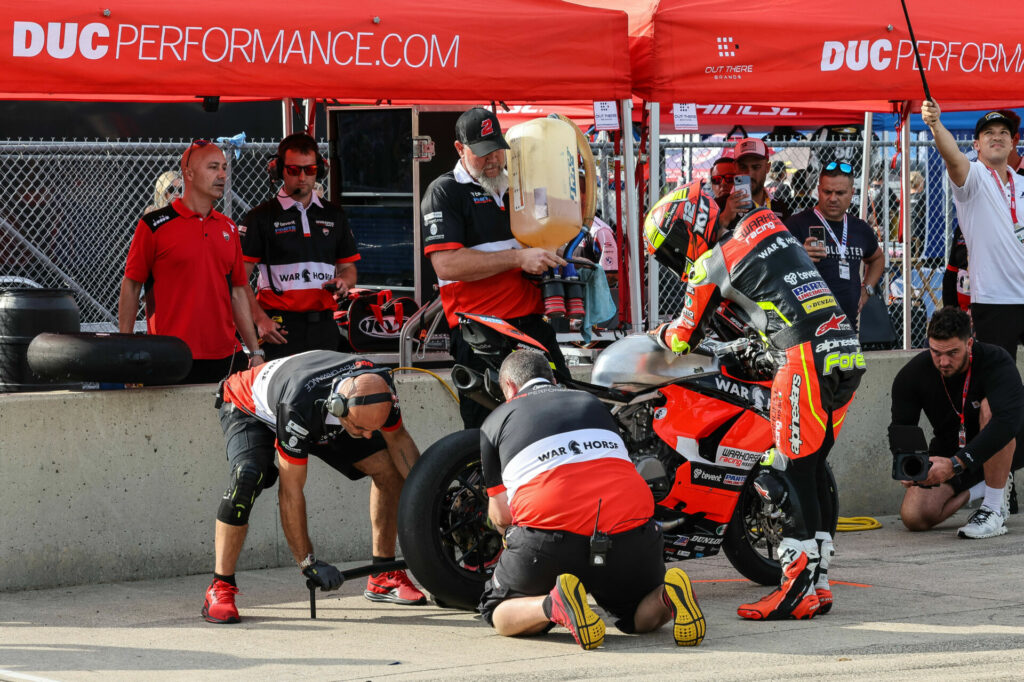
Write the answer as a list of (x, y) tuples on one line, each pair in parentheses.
[(884, 55), (727, 48), (233, 44)]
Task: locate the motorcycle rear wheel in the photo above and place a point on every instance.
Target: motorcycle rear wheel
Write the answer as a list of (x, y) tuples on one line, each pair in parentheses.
[(752, 538), (442, 522)]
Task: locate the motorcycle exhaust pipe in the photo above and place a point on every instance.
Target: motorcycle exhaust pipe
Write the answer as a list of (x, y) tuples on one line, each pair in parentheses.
[(470, 384), (669, 525)]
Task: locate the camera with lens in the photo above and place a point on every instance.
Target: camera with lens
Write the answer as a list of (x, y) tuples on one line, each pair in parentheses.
[(910, 458)]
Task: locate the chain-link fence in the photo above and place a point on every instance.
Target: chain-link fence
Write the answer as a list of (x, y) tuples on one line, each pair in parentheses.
[(68, 210), (931, 214)]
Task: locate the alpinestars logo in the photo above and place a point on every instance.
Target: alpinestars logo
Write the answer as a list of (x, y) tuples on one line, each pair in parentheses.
[(794, 407), (726, 48)]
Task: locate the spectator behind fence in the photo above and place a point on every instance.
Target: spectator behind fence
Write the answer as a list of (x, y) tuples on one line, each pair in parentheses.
[(339, 408), (972, 396), (778, 187), (956, 283), (549, 508), (751, 156), (300, 245), (848, 242), (990, 209), (723, 175), (168, 187), (803, 189), (190, 260), (468, 239)]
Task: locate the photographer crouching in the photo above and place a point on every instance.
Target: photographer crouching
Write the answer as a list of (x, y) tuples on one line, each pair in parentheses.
[(972, 395)]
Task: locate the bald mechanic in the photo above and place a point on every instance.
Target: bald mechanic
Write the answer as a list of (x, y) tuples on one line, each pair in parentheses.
[(189, 259), (339, 408), (468, 239)]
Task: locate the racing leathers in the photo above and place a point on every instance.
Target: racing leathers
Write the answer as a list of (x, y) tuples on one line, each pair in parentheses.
[(762, 269)]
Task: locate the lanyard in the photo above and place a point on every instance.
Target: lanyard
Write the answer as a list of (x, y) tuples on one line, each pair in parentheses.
[(1012, 200), (842, 246), (963, 403)]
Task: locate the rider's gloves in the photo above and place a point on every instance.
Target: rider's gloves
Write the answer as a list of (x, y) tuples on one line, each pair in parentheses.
[(667, 339), (325, 576)]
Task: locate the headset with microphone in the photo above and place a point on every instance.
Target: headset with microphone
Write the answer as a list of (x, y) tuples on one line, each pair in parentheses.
[(339, 405), (276, 165)]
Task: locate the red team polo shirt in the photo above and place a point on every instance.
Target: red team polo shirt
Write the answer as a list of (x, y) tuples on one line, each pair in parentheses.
[(188, 265)]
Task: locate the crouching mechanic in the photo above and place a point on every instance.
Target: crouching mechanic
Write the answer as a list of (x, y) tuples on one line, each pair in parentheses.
[(817, 361), (574, 512), (337, 407), (972, 395)]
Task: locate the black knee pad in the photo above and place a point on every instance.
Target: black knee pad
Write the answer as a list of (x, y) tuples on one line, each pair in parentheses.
[(247, 481)]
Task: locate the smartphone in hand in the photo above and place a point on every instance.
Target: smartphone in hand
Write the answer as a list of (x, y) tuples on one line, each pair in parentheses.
[(741, 186), (817, 233)]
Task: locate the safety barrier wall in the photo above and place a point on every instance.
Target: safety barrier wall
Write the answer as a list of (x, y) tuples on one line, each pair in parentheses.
[(124, 485)]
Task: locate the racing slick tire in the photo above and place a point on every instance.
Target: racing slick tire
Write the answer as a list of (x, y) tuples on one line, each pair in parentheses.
[(442, 522), (752, 538), (149, 359)]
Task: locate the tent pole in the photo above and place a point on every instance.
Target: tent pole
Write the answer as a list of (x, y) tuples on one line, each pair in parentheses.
[(865, 165), (632, 230), (908, 289), (286, 117), (654, 159)]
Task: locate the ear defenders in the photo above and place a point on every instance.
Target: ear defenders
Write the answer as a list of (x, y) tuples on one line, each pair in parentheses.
[(277, 161), (339, 405)]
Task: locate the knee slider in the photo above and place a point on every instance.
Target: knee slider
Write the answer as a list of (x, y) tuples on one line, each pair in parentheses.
[(247, 481)]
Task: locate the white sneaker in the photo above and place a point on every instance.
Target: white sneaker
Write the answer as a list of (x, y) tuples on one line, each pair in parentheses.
[(983, 523), (1008, 497)]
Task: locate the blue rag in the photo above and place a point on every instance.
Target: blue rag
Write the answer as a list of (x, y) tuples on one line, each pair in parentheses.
[(598, 305)]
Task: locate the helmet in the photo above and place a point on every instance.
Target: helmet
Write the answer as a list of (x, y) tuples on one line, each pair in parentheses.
[(681, 227)]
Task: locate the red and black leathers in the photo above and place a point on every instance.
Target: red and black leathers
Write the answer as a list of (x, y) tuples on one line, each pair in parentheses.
[(762, 268)]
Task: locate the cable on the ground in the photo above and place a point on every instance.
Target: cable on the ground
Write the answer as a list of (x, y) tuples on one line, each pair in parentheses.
[(849, 524), (444, 383)]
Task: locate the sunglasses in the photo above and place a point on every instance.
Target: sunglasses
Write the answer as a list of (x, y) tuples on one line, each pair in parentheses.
[(843, 167), (191, 147), (719, 179), (297, 170), (173, 189)]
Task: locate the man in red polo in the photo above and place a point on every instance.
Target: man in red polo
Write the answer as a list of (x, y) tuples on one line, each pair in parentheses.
[(189, 259)]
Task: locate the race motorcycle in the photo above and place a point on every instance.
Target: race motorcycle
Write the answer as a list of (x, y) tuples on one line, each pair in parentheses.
[(695, 426)]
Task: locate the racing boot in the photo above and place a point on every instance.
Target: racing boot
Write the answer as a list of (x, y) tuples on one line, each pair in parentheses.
[(796, 598), (826, 550)]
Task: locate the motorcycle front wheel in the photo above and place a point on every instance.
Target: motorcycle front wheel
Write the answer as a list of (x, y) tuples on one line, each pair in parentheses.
[(752, 538), (442, 522)]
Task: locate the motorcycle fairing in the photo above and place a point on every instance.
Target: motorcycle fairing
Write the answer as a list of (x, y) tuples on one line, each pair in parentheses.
[(503, 328)]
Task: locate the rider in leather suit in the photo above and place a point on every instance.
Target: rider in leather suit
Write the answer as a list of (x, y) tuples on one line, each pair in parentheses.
[(818, 363)]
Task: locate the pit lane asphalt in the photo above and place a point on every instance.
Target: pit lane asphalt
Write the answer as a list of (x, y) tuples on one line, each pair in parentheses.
[(908, 606)]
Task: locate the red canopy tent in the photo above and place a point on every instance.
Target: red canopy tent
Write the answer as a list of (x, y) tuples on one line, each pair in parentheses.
[(142, 50), (818, 54)]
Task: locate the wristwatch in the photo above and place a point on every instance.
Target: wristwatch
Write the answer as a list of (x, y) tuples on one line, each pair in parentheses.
[(870, 289), (958, 467), (259, 352), (307, 562)]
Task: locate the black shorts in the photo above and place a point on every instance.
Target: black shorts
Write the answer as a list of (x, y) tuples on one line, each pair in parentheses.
[(972, 477), (315, 330), (247, 439), (533, 559), (1000, 324)]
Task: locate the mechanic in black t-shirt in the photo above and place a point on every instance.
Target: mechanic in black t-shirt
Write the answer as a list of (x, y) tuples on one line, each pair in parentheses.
[(848, 241), (299, 244), (557, 472), (339, 408), (972, 395)]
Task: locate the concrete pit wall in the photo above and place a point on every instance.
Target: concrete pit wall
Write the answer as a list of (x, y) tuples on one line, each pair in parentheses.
[(122, 485)]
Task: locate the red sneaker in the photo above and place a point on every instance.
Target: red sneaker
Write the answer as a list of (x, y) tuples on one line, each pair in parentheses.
[(393, 587), (569, 608), (792, 600), (220, 603)]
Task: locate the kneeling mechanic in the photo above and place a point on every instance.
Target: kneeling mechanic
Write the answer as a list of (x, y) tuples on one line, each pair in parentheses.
[(339, 408), (574, 512)]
